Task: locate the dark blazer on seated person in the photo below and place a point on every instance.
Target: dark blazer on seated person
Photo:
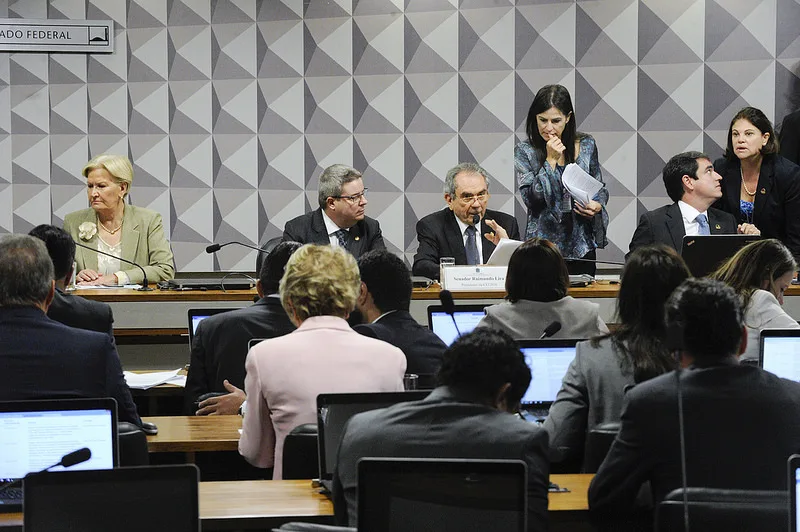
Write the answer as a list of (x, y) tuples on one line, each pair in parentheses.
[(219, 347), (423, 349), (665, 226), (77, 311), (741, 424), (310, 229), (42, 358), (439, 236)]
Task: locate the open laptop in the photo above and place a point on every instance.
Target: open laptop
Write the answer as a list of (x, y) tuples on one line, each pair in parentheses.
[(466, 316), (37, 434), (128, 499), (794, 492), (548, 361), (779, 352), (412, 494), (334, 410), (703, 254), (196, 315)]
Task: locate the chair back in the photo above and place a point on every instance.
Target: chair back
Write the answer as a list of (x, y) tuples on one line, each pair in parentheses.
[(300, 453), (713, 510), (598, 442), (132, 445), (268, 246)]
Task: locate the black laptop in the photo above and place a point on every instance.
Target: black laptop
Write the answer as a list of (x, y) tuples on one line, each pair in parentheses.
[(37, 434), (196, 315), (548, 361), (703, 254)]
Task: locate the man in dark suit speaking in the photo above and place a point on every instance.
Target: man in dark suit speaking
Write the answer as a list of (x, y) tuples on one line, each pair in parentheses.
[(694, 186), (452, 232), (341, 219), (42, 358)]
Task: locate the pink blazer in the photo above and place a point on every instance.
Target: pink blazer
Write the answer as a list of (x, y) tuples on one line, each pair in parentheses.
[(285, 375)]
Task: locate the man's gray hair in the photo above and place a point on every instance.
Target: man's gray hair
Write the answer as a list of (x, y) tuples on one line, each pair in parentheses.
[(450, 179), (332, 180), (26, 271)]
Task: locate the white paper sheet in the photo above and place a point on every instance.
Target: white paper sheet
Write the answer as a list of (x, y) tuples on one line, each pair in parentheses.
[(579, 184), (143, 381), (502, 253)]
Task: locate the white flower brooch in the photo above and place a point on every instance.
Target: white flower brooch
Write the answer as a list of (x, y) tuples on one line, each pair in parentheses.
[(87, 230)]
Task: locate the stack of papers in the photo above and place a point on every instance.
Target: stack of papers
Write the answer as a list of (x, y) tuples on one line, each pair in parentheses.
[(143, 381), (579, 184)]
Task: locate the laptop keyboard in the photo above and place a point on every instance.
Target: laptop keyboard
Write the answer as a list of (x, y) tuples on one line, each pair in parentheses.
[(14, 494)]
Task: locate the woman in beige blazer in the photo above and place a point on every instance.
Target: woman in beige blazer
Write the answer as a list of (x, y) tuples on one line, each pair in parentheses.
[(109, 225)]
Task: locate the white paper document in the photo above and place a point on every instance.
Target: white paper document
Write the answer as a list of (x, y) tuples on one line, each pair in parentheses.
[(106, 287), (143, 381), (502, 253), (579, 184)]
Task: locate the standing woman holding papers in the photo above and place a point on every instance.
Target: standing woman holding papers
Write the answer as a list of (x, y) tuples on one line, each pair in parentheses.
[(553, 143), (109, 225)]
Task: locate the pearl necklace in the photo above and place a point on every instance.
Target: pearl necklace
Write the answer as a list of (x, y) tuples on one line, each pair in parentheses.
[(744, 185), (112, 231)]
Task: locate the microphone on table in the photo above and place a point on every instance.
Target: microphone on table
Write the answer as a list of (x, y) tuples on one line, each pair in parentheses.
[(550, 330), (449, 307), (68, 460), (213, 248), (144, 287)]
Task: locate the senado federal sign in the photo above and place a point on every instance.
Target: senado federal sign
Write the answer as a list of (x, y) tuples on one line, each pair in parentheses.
[(27, 35)]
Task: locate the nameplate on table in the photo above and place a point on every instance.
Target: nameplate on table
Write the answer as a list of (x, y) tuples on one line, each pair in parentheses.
[(56, 35), (467, 278)]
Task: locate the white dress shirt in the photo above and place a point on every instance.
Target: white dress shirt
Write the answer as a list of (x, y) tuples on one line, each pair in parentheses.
[(478, 237), (689, 215)]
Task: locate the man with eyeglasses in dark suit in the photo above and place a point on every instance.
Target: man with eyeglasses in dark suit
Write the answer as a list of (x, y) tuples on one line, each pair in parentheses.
[(341, 219), (452, 232)]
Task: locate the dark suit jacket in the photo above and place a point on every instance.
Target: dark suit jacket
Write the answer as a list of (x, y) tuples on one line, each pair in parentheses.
[(790, 137), (777, 201), (741, 424), (446, 424), (423, 349), (439, 236), (219, 347), (665, 226), (42, 358), (310, 229), (77, 311)]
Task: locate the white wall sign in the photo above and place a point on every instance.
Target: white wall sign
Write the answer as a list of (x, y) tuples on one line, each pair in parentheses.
[(27, 35)]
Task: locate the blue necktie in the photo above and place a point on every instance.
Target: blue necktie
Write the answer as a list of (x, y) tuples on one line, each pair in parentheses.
[(341, 236), (702, 223), (472, 246)]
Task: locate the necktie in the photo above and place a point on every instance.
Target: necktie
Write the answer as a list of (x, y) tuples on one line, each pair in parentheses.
[(341, 236), (702, 223), (472, 246)]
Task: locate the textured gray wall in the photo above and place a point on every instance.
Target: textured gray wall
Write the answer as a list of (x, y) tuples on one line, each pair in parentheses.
[(229, 109)]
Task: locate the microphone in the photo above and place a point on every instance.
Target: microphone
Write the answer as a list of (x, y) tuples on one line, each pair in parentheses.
[(213, 248), (550, 330), (144, 287), (68, 460), (446, 298), (476, 219)]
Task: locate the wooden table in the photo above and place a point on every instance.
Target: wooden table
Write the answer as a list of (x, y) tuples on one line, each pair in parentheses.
[(190, 434), (263, 504)]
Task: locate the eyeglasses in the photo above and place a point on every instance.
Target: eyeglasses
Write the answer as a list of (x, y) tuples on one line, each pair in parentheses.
[(468, 199), (353, 198)]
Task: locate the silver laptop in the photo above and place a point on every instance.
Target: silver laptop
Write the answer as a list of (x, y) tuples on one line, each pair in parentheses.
[(779, 352), (466, 317), (548, 361)]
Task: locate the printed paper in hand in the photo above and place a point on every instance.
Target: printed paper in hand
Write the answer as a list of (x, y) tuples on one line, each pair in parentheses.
[(579, 184)]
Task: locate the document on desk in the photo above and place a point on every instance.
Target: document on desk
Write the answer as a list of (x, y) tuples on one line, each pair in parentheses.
[(143, 381), (579, 184), (104, 287)]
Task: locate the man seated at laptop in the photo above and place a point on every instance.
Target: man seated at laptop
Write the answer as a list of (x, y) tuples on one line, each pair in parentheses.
[(383, 303), (219, 347), (740, 422), (693, 186), (71, 310), (40, 357), (452, 232), (470, 415)]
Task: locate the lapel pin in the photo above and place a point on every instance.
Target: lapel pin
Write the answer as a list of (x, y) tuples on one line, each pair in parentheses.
[(763, 190), (358, 238), (717, 227)]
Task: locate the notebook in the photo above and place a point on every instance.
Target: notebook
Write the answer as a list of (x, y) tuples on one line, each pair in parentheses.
[(548, 361), (466, 316), (37, 434), (794, 492), (334, 410), (703, 254), (412, 494), (127, 499), (779, 352), (196, 315)]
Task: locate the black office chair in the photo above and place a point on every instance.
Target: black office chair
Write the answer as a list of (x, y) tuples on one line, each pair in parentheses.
[(720, 510), (598, 442), (268, 246), (300, 453), (132, 445)]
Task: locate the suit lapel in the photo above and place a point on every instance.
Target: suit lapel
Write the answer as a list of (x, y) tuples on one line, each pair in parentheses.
[(488, 245), (674, 221), (88, 258), (715, 224), (734, 182), (319, 235), (356, 243), (455, 240), (130, 235), (764, 184)]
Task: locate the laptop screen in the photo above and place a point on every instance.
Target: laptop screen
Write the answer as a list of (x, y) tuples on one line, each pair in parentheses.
[(466, 316), (548, 361), (334, 410), (37, 434), (780, 353), (197, 315)]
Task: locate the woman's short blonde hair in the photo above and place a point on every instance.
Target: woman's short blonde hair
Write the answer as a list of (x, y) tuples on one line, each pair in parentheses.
[(320, 281), (118, 166)]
